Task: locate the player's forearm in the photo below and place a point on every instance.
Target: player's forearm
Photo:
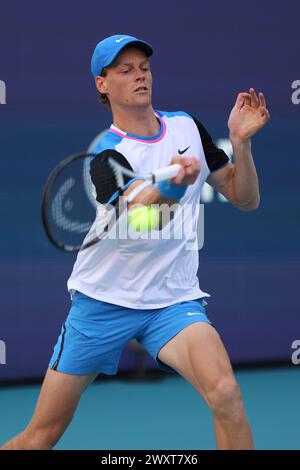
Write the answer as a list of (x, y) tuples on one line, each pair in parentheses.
[(148, 196), (169, 193), (153, 196), (244, 180), (167, 207)]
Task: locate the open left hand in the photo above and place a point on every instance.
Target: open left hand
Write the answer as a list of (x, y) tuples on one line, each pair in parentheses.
[(248, 115)]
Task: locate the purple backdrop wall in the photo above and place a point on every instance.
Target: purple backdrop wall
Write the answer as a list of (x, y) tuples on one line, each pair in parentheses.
[(205, 53)]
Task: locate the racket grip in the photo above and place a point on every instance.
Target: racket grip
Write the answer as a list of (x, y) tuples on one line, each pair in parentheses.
[(166, 173)]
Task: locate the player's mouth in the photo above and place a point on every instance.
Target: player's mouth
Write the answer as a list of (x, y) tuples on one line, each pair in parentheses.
[(141, 89)]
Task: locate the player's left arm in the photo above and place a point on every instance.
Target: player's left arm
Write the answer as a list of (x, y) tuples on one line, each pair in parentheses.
[(238, 182)]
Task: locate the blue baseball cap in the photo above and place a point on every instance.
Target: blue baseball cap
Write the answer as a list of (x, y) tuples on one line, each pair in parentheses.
[(107, 50)]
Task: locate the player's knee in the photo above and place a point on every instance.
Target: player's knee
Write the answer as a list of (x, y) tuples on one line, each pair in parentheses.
[(225, 399)]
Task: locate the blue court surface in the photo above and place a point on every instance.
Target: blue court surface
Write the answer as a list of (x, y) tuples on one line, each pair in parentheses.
[(165, 413)]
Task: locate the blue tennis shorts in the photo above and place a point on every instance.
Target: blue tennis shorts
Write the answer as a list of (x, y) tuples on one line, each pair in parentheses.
[(95, 333)]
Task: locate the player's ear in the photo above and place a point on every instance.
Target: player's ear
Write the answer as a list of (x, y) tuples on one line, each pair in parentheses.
[(101, 84)]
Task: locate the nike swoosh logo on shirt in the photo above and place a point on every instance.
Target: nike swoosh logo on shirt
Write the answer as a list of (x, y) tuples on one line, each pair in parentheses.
[(194, 313), (119, 40), (182, 151)]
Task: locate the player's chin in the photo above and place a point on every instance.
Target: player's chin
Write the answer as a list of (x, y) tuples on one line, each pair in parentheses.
[(142, 99)]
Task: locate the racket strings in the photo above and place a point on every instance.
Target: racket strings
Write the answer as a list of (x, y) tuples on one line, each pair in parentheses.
[(60, 207), (80, 188), (71, 205), (78, 196)]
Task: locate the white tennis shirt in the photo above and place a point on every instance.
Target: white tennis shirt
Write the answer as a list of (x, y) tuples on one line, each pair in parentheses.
[(151, 273)]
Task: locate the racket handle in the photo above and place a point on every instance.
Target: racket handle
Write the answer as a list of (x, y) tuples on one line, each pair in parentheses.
[(166, 173)]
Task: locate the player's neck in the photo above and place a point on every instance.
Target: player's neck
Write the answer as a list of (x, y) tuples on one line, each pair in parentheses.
[(142, 122)]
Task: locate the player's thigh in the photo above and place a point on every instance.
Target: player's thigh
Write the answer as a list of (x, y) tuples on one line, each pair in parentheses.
[(58, 400), (198, 354)]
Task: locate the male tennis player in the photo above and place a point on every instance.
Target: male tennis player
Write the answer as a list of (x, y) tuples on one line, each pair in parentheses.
[(148, 289)]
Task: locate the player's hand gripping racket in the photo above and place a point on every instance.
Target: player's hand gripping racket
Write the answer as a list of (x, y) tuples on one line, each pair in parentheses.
[(80, 188)]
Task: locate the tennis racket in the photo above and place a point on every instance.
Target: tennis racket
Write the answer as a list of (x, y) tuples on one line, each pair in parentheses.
[(80, 192)]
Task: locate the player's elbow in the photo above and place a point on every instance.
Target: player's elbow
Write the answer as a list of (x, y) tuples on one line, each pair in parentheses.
[(249, 206)]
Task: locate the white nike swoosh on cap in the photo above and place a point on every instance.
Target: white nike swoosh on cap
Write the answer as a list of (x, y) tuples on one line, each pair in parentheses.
[(119, 40), (194, 313)]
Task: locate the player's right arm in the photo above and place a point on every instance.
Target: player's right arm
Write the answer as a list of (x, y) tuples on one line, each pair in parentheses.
[(187, 175), (190, 169), (189, 172)]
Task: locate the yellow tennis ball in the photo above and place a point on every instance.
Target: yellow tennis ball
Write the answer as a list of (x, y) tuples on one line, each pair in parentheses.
[(143, 218)]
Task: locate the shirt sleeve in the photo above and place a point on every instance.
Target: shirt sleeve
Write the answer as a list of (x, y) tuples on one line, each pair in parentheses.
[(215, 157), (100, 178)]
